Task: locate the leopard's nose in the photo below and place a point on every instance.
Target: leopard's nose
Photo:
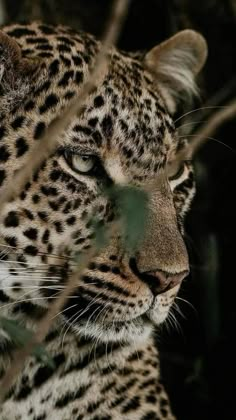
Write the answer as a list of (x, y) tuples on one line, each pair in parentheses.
[(159, 281)]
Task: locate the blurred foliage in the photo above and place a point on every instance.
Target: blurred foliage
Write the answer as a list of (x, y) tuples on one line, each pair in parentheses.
[(130, 205), (128, 216), (21, 337)]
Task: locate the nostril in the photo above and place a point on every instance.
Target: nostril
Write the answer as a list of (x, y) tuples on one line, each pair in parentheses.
[(159, 281), (167, 281)]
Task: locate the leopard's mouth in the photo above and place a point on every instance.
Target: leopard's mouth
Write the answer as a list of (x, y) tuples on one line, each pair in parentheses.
[(136, 328), (117, 323)]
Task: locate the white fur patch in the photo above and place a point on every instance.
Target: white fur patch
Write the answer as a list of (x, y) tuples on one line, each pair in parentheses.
[(176, 72), (115, 171)]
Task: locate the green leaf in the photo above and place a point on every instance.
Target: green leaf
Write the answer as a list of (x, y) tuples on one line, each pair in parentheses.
[(101, 232), (21, 336), (131, 207), (43, 356)]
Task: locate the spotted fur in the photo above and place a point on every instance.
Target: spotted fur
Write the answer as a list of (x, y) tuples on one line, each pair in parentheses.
[(106, 363)]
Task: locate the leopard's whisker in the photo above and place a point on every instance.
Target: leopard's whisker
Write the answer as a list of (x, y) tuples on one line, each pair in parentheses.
[(51, 255), (198, 109), (190, 123), (103, 309), (187, 303), (171, 318), (176, 308), (27, 266), (64, 310), (35, 287), (29, 277), (79, 315), (26, 270), (70, 323), (35, 299), (210, 138), (67, 325)]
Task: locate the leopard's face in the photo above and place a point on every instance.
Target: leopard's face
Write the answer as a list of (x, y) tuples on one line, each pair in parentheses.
[(126, 137)]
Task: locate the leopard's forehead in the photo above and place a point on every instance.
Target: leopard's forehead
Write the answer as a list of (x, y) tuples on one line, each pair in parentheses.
[(131, 128), (125, 117)]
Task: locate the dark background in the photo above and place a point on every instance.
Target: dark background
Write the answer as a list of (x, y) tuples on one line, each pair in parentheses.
[(198, 357)]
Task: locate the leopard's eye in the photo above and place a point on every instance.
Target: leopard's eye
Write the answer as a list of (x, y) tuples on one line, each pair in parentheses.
[(81, 163), (175, 170)]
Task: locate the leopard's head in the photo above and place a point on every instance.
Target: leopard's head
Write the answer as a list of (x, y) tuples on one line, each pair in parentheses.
[(125, 137)]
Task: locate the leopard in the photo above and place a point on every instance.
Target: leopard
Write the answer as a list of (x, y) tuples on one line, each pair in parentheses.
[(103, 341)]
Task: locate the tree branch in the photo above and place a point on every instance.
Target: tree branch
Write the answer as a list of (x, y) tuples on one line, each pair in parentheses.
[(214, 122)]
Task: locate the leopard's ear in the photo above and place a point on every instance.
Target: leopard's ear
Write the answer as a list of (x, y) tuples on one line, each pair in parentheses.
[(175, 64), (11, 59), (15, 71)]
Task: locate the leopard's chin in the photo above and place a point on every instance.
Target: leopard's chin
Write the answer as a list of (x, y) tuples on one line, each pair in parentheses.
[(138, 329)]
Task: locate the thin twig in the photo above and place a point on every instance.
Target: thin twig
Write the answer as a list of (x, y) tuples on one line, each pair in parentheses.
[(58, 126), (40, 153), (203, 134), (217, 119), (220, 96), (2, 12)]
